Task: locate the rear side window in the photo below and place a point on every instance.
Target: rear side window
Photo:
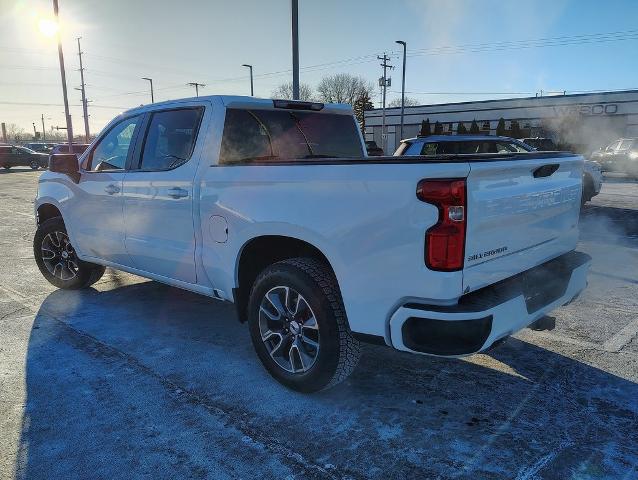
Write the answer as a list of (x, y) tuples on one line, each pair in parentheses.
[(273, 135), (431, 148), (625, 144), (170, 138)]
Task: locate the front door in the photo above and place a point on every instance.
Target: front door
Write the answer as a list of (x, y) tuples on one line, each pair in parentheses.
[(158, 195), (96, 218)]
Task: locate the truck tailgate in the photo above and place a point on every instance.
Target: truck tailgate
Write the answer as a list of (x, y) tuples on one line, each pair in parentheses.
[(521, 212)]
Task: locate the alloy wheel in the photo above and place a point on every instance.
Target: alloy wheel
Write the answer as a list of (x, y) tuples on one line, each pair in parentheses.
[(59, 256), (289, 329)]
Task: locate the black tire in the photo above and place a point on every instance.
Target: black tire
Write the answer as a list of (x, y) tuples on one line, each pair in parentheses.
[(588, 190), (86, 273), (34, 165), (6, 167), (338, 351)]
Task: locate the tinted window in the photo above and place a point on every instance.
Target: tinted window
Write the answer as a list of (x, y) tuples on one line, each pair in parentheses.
[(625, 144), (170, 138), (430, 148), (112, 150), (285, 134)]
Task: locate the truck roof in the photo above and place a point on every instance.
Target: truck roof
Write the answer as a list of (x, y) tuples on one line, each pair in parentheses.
[(240, 101)]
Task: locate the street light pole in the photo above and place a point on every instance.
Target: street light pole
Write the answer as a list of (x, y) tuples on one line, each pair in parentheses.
[(151, 81), (35, 132), (252, 93), (405, 47), (295, 49), (44, 134), (69, 126)]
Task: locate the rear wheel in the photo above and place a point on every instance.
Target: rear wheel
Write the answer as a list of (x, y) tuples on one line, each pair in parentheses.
[(57, 260), (298, 325), (588, 190)]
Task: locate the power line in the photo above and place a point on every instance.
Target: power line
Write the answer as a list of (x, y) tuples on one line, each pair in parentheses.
[(36, 104)]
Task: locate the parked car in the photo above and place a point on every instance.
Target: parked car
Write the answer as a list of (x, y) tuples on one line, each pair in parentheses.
[(373, 149), (467, 144), (273, 205), (619, 156), (17, 156), (540, 144), (78, 148), (459, 144), (40, 147)]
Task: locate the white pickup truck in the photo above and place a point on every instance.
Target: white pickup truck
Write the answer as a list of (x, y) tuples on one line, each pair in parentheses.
[(274, 205)]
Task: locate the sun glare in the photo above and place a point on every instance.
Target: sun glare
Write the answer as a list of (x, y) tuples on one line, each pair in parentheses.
[(48, 27)]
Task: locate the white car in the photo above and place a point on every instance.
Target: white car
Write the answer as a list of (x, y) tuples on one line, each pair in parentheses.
[(274, 205)]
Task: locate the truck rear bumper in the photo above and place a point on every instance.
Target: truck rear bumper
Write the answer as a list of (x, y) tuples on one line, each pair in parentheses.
[(487, 315)]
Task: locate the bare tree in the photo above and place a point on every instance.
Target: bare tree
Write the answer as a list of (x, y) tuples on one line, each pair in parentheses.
[(344, 88), (284, 92), (15, 133), (409, 102)]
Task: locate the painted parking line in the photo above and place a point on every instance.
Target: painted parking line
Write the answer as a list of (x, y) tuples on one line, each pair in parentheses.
[(622, 338)]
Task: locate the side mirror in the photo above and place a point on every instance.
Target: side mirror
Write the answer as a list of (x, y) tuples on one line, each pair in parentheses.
[(66, 163)]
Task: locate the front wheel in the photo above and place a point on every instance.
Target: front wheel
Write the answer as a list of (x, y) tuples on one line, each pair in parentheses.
[(34, 165), (298, 325), (57, 260)]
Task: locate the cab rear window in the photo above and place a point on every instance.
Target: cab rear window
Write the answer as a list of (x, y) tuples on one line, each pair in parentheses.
[(272, 135)]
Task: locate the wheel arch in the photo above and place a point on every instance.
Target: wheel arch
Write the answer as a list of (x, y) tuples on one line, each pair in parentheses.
[(46, 211), (259, 252)]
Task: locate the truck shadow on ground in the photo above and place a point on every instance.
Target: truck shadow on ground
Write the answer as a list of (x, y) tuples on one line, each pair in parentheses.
[(146, 380)]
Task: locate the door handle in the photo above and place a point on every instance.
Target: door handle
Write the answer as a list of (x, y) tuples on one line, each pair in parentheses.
[(112, 189), (177, 192)]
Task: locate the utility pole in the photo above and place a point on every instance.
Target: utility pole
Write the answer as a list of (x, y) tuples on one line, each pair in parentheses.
[(295, 49), (252, 93), (85, 108), (35, 132), (150, 80), (384, 83), (44, 132), (405, 47), (69, 126), (196, 85)]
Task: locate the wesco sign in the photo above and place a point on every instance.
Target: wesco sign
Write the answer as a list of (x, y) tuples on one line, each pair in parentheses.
[(595, 109)]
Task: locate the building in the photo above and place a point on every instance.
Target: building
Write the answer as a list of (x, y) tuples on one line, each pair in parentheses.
[(579, 122)]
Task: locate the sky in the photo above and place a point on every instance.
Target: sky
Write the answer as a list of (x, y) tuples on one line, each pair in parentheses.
[(458, 50)]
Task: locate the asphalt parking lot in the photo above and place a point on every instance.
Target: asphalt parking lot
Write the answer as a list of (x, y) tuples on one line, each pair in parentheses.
[(133, 379)]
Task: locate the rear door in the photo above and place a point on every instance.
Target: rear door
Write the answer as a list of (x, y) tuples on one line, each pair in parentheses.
[(522, 212), (158, 194)]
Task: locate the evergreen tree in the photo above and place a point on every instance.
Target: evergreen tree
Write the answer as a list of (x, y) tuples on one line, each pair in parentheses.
[(361, 105), (438, 128), (474, 128), (425, 128), (500, 128), (461, 129), (516, 129)]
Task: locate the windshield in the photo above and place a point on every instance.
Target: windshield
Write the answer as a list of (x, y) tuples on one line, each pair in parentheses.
[(272, 135)]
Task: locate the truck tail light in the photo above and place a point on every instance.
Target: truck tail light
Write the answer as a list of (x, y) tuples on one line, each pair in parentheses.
[(445, 241)]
